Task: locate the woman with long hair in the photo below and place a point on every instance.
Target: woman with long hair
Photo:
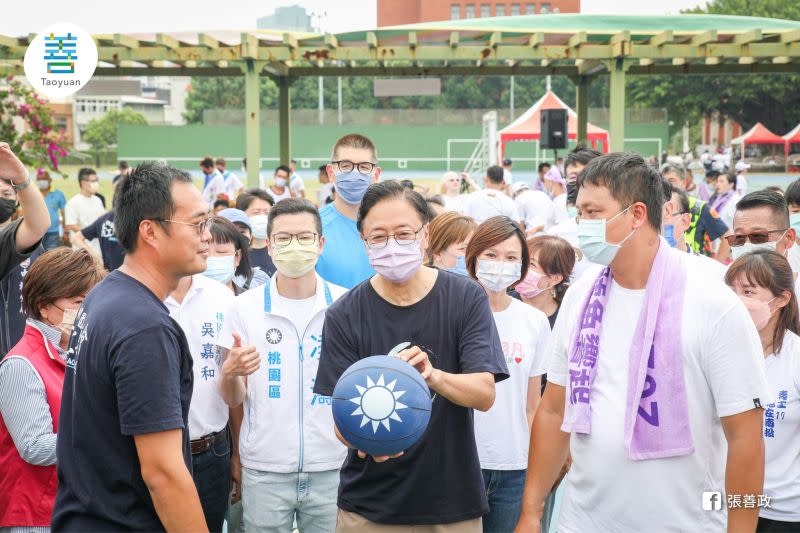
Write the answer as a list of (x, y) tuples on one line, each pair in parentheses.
[(764, 281)]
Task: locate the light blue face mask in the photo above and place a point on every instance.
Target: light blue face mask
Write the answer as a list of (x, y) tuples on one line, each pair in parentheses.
[(351, 186), (669, 234), (461, 266), (794, 222), (572, 211), (220, 268), (592, 240)]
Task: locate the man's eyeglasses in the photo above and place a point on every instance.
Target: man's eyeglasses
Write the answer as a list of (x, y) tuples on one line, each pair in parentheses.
[(403, 238), (364, 167), (758, 237), (307, 238), (201, 226)]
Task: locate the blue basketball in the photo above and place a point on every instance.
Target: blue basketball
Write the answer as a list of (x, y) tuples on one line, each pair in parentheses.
[(381, 405)]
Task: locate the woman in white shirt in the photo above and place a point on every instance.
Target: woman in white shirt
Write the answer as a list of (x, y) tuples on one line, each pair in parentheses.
[(449, 236), (763, 280), (497, 256)]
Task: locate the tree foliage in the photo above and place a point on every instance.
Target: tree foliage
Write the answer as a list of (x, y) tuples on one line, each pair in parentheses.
[(101, 132), (27, 125)]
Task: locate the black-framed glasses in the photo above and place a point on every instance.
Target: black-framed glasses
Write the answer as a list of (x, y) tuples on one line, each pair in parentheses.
[(201, 226), (365, 167), (403, 238), (305, 238), (757, 237)]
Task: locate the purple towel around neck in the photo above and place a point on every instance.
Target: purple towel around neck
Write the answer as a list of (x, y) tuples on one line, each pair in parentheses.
[(657, 415)]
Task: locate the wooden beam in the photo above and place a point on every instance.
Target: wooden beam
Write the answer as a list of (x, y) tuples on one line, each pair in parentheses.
[(662, 38), (706, 37), (249, 46), (536, 39), (713, 60), (412, 39), (372, 40), (620, 37), (453, 39), (331, 41), (747, 60), (620, 43), (644, 62), (748, 37), (577, 39), (791, 36), (496, 39), (677, 61), (124, 40), (206, 41), (290, 40), (167, 41), (781, 60)]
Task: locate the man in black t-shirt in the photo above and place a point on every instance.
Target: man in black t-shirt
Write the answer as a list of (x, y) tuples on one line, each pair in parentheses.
[(123, 457), (102, 229)]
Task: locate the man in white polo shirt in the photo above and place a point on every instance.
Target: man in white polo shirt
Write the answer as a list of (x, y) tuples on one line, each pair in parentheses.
[(271, 345), (491, 201), (199, 305)]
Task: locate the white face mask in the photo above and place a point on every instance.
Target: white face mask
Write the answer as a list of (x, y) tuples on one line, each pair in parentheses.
[(497, 276), (259, 225), (739, 251), (280, 182)]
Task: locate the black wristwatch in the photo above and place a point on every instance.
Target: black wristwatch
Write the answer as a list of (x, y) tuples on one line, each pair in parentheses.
[(21, 186)]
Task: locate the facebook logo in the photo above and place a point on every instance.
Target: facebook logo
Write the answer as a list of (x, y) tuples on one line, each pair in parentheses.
[(712, 501)]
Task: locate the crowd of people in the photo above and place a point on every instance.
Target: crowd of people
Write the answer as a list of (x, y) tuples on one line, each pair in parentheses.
[(604, 337)]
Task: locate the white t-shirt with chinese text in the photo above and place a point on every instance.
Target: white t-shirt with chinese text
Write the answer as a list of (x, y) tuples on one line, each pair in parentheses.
[(724, 375), (782, 433), (488, 203), (201, 315), (502, 433)]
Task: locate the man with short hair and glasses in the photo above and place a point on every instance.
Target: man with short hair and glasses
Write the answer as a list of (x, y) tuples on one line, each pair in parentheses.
[(353, 168), (271, 344), (123, 453), (761, 221)]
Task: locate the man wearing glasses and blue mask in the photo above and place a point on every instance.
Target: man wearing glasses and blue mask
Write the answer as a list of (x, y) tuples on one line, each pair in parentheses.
[(353, 168), (761, 221)]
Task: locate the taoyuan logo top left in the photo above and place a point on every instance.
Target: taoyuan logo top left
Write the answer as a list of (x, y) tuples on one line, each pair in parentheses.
[(60, 60)]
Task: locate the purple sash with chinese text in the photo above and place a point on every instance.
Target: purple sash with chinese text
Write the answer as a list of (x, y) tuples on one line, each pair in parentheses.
[(657, 415)]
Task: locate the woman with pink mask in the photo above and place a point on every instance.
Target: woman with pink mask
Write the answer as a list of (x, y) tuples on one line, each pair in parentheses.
[(763, 280)]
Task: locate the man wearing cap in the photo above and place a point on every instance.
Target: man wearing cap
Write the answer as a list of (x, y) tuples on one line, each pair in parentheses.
[(535, 208), (741, 178)]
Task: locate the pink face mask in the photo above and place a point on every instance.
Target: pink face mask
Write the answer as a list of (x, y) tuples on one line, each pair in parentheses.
[(529, 287), (396, 262), (759, 311)]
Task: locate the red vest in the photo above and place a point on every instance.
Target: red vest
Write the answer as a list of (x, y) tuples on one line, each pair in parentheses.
[(27, 491)]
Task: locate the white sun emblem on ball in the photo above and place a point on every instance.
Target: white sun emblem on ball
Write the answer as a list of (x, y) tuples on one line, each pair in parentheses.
[(377, 403)]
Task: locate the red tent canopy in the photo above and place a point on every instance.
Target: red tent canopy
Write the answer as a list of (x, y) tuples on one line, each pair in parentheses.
[(793, 136), (759, 134), (527, 125)]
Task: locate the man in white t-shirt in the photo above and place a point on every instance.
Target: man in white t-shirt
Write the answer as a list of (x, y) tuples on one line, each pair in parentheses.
[(725, 198), (556, 187), (507, 177), (535, 208), (85, 207), (325, 192), (741, 177), (233, 185), (717, 399), (280, 190), (199, 305), (491, 201), (271, 345), (763, 216), (296, 184), (214, 181)]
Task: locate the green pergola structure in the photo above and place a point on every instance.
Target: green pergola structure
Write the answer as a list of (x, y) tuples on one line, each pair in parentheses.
[(579, 46)]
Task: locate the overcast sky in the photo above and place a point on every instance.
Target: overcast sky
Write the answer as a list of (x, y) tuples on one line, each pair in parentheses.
[(164, 16)]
